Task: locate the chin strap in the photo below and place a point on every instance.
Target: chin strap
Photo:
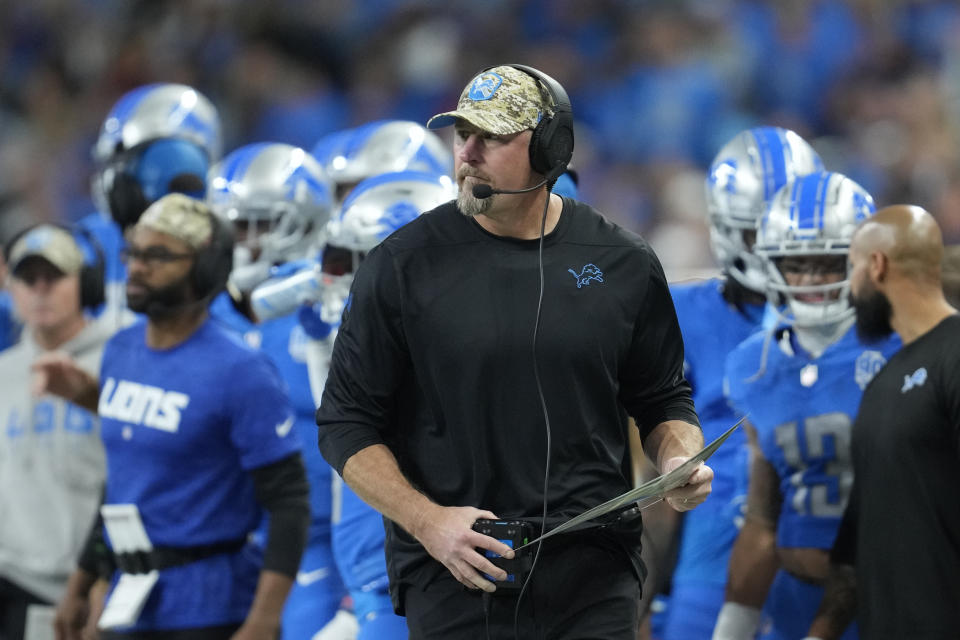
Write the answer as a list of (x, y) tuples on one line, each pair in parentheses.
[(815, 339)]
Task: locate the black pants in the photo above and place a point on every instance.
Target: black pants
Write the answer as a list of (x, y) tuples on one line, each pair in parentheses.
[(205, 633), (581, 588), (13, 609)]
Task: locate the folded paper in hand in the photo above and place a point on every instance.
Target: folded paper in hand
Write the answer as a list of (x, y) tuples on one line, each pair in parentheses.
[(655, 488)]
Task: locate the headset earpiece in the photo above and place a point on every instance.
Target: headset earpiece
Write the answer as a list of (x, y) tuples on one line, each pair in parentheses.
[(213, 263), (93, 274), (551, 145)]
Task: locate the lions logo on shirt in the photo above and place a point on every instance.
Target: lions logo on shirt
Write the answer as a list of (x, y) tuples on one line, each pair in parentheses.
[(142, 404)]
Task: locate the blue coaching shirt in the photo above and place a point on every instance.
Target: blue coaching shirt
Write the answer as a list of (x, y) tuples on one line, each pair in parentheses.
[(803, 411), (183, 427)]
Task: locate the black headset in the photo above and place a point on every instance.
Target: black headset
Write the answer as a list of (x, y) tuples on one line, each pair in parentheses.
[(213, 263), (92, 274), (551, 145)]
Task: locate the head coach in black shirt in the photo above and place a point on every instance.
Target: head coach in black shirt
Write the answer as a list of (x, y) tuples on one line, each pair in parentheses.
[(490, 354)]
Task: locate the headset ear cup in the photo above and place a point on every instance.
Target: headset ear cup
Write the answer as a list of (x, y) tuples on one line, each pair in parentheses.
[(551, 143), (92, 289), (126, 199), (539, 146), (561, 140), (94, 272), (212, 266)]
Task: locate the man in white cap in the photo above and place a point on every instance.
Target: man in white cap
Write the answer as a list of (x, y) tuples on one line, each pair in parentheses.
[(51, 458), (455, 396)]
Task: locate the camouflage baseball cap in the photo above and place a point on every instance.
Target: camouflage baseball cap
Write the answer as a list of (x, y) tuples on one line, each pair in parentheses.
[(54, 244), (182, 217), (501, 101)]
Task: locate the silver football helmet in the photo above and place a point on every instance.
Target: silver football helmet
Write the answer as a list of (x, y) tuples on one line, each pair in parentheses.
[(279, 201), (157, 111), (742, 179), (382, 146), (157, 139), (377, 207), (812, 217)]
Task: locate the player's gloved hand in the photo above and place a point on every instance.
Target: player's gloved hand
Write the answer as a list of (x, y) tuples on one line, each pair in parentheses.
[(736, 622), (287, 269), (696, 490), (312, 321), (290, 285), (343, 626), (245, 278), (447, 534)]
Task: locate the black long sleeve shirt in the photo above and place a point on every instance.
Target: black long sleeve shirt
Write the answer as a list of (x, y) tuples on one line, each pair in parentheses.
[(435, 359)]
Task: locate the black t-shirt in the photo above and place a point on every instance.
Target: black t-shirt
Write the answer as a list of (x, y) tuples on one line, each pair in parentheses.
[(906, 501), (434, 359)]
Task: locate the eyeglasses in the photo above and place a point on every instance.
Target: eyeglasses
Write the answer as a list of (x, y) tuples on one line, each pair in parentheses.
[(152, 256)]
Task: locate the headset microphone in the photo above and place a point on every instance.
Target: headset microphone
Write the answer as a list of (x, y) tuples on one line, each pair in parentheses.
[(484, 191)]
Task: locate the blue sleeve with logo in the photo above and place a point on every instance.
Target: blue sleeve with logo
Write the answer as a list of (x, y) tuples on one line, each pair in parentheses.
[(260, 433)]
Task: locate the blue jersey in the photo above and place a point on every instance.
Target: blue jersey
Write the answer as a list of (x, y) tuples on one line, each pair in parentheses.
[(9, 326), (318, 590), (712, 328), (284, 342), (803, 409), (182, 428)]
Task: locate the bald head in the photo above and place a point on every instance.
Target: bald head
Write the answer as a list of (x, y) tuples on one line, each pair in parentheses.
[(908, 236)]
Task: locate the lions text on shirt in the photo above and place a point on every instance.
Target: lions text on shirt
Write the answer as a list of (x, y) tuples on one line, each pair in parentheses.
[(182, 429)]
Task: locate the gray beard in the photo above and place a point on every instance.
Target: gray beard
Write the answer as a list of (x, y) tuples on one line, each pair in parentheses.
[(471, 206)]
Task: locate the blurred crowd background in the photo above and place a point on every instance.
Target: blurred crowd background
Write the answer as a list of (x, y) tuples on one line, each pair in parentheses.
[(657, 87)]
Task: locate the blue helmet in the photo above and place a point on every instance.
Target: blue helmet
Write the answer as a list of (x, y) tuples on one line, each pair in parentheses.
[(380, 205), (382, 146), (742, 179), (278, 199), (157, 139), (377, 207), (810, 217)]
